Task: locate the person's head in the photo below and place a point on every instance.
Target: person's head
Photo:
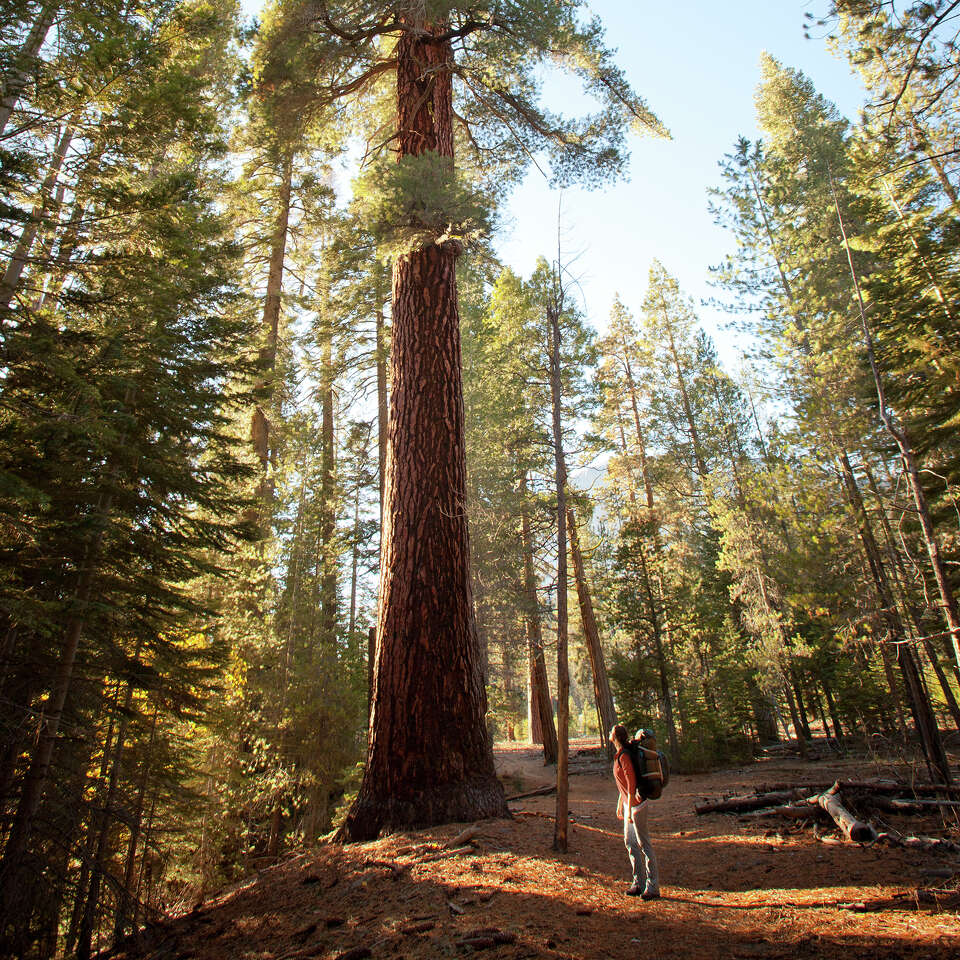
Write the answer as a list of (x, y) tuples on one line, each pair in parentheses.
[(619, 735)]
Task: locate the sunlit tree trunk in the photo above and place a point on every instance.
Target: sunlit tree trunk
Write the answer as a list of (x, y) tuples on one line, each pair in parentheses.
[(916, 696), (46, 203), (429, 758), (563, 674), (329, 552), (260, 426), (591, 633), (899, 579), (21, 68), (951, 610), (542, 708)]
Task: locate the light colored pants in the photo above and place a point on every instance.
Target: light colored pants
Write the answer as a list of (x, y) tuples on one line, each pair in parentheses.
[(636, 838)]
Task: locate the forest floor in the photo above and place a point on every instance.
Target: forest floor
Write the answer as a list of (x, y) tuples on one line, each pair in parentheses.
[(730, 888)]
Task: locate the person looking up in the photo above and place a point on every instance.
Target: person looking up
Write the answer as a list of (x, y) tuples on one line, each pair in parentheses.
[(632, 810)]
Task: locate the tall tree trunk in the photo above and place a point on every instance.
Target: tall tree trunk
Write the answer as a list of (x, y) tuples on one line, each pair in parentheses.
[(591, 633), (951, 610), (877, 572), (641, 440), (87, 849), (656, 624), (832, 707), (329, 565), (45, 204), (657, 616), (87, 922), (899, 578), (383, 414), (36, 778), (801, 706), (260, 425), (919, 702), (698, 457), (763, 713), (563, 673), (382, 408), (540, 686), (127, 893), (429, 759), (19, 74), (355, 546)]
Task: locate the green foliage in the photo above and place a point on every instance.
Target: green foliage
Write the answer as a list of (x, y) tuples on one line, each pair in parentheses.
[(418, 201)]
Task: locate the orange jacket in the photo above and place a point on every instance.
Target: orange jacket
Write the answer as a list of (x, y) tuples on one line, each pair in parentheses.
[(626, 782)]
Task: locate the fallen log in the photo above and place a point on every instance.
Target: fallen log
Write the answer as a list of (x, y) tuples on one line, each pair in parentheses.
[(852, 828), (752, 802), (897, 839), (463, 837), (541, 792), (895, 805), (796, 811), (891, 787), (884, 785)]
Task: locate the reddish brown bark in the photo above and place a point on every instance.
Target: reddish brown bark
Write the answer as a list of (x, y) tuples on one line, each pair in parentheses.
[(430, 759)]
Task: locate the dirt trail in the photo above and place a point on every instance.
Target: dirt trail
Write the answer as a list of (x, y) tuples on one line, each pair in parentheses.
[(729, 889)]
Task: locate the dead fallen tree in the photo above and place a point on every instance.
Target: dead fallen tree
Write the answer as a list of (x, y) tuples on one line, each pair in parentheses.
[(812, 801)]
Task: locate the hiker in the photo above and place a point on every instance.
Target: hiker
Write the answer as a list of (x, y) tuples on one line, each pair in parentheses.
[(632, 810)]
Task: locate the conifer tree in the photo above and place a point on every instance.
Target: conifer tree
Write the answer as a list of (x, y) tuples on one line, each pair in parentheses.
[(424, 210)]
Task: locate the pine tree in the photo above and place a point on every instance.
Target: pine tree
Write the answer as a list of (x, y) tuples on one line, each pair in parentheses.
[(424, 213)]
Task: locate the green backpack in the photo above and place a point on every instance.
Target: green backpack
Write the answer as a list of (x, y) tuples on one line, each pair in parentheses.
[(650, 765)]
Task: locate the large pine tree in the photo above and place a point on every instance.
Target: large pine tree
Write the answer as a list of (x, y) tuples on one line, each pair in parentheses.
[(429, 756)]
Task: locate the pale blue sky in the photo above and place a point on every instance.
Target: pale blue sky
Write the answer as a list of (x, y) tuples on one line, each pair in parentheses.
[(696, 62)]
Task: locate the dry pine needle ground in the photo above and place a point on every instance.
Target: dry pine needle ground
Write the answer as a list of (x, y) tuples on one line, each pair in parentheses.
[(730, 889)]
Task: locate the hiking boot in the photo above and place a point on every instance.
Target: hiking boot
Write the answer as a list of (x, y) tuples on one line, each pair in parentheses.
[(635, 891), (650, 893)]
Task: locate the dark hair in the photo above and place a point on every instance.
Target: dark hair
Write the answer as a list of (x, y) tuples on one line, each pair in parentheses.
[(619, 733)]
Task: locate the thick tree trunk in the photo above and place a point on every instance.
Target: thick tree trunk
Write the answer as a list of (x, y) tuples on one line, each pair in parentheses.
[(540, 686), (591, 633), (563, 674), (430, 759), (763, 713)]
